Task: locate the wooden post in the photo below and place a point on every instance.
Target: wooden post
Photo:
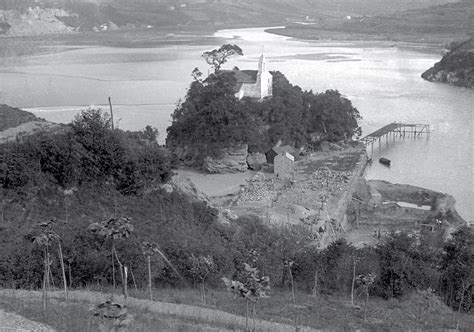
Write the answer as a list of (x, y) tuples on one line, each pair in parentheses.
[(111, 113), (149, 277), (125, 280)]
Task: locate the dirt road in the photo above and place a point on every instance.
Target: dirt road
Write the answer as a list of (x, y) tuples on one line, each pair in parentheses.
[(13, 322)]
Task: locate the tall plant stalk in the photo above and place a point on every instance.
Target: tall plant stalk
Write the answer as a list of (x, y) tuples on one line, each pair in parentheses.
[(45, 279), (353, 282), (63, 270)]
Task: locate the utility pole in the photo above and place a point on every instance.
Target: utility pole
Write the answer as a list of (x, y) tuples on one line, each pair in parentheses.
[(111, 113)]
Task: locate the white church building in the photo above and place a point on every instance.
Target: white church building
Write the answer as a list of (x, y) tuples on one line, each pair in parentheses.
[(254, 83)]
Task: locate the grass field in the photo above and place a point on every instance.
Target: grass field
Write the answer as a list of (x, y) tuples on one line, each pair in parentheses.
[(329, 313)]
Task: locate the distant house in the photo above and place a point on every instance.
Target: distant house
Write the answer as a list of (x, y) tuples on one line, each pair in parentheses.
[(283, 165), (276, 150), (253, 83)]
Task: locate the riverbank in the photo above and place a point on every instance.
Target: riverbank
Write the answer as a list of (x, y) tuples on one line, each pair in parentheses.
[(440, 24), (12, 47), (432, 41)]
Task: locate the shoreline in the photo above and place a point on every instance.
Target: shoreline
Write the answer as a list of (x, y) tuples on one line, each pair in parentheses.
[(433, 41)]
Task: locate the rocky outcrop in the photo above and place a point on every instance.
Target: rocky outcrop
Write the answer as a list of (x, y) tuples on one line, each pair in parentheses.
[(456, 67), (33, 21), (256, 160), (441, 206), (186, 187), (231, 160)]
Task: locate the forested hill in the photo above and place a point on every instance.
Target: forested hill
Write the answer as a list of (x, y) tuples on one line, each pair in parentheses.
[(456, 67)]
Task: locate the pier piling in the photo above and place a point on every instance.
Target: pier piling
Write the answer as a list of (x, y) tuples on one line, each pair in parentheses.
[(390, 133)]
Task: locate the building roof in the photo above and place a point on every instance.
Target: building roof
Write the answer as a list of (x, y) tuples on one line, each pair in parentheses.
[(287, 155), (285, 148), (243, 76)]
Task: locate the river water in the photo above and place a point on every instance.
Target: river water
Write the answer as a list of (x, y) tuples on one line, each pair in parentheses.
[(382, 80)]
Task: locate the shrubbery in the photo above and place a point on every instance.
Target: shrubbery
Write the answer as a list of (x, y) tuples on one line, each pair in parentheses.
[(87, 151)]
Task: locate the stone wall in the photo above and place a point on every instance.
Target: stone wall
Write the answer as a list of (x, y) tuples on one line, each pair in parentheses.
[(339, 223)]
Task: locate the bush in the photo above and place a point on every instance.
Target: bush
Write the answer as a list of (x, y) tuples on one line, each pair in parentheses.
[(89, 152)]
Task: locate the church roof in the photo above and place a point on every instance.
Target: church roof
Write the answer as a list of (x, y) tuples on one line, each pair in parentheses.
[(244, 76)]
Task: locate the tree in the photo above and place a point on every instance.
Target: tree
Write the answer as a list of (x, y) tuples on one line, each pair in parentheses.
[(331, 115), (149, 250), (457, 280), (364, 282), (201, 266), (211, 118), (100, 149), (402, 267), (252, 289), (217, 57), (45, 239), (114, 229)]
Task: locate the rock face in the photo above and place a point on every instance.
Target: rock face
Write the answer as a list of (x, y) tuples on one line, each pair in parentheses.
[(442, 205), (185, 186), (256, 160), (456, 67), (232, 160), (33, 21)]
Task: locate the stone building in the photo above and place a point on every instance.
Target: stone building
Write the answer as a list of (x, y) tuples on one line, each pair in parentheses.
[(254, 83), (283, 165), (279, 149)]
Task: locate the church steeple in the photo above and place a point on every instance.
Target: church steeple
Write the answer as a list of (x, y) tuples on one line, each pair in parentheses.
[(262, 63)]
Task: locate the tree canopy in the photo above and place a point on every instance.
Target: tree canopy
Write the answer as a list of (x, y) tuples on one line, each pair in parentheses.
[(211, 117), (217, 57)]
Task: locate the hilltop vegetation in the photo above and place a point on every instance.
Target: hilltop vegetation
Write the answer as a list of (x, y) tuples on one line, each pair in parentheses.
[(456, 67), (211, 118)]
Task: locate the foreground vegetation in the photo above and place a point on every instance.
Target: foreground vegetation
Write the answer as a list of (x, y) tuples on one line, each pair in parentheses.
[(92, 174), (414, 312)]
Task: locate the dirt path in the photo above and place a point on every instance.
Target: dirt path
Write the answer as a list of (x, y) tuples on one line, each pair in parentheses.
[(14, 322)]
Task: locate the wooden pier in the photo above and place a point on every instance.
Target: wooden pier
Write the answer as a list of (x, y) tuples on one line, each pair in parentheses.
[(393, 131)]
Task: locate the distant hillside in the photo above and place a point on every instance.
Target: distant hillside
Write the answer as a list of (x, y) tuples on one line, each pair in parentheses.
[(30, 17), (456, 67), (11, 117), (444, 22)]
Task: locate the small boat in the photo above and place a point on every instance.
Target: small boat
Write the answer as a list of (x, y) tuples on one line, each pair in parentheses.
[(384, 161)]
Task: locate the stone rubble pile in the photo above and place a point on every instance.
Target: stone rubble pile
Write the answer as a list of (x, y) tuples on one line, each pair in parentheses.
[(260, 188), (325, 178)]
